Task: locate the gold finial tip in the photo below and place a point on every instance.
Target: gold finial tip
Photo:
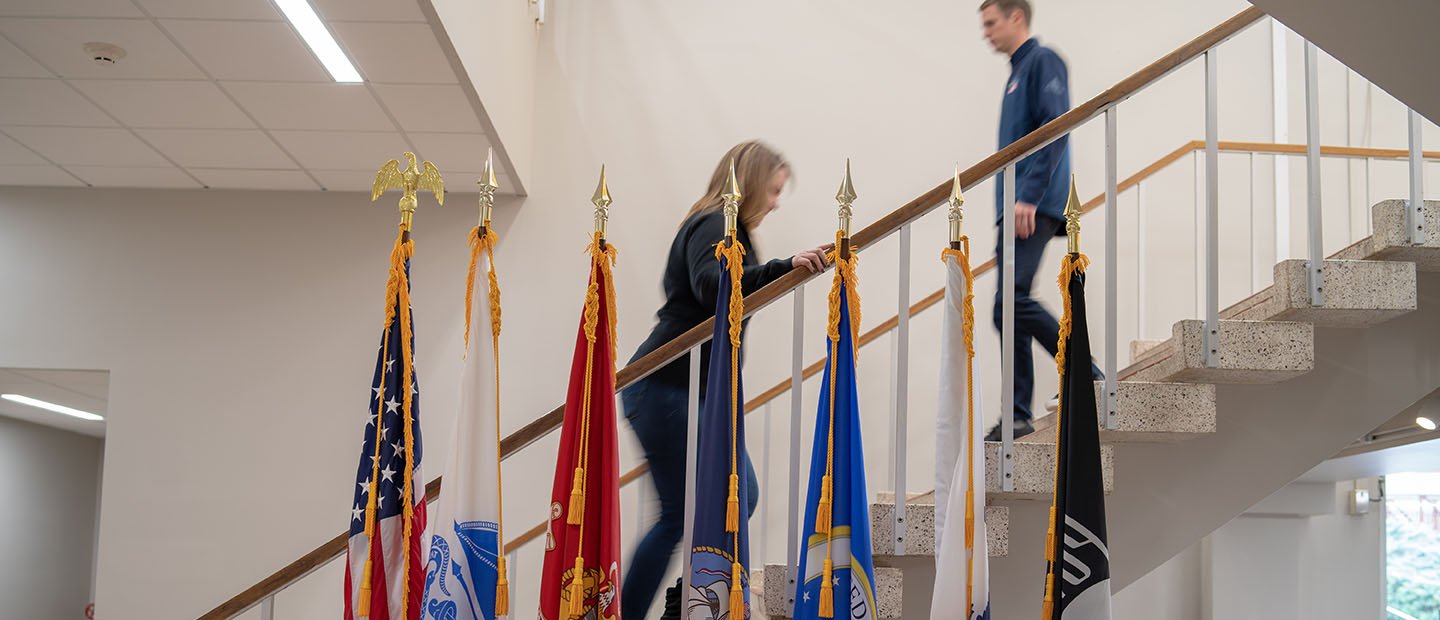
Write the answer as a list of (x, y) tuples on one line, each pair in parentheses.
[(601, 199), (847, 194), (1073, 205), (732, 184), (956, 198), (487, 174)]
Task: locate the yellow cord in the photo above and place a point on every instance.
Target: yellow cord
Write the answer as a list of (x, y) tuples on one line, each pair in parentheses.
[(486, 243), (824, 511), (1070, 265)]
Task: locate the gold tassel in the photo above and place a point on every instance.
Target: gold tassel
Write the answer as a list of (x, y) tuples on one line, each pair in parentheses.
[(364, 607), (732, 505), (827, 591), (577, 497), (1049, 606), (1050, 538), (822, 510), (502, 591), (577, 588), (737, 592)]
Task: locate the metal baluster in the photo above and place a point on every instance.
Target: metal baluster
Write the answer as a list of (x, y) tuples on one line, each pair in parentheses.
[(267, 608), (1254, 261), (1417, 180), (1212, 214), (1112, 261), (792, 518), (1141, 270), (764, 489), (692, 426), (902, 384), (1315, 264), (1196, 187), (1007, 334)]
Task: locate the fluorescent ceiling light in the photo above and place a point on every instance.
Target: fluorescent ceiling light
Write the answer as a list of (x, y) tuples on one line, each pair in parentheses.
[(303, 17), (1425, 423), (35, 402)]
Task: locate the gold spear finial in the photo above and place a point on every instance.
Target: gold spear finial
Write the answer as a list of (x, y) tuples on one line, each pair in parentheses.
[(732, 198), (487, 190), (846, 197), (410, 181), (601, 200), (1072, 218), (957, 210)]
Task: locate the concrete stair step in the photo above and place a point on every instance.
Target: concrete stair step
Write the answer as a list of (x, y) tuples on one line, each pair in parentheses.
[(1147, 412), (773, 590), (1138, 348), (1358, 293), (1035, 470), (1390, 240), (920, 526), (1249, 352)]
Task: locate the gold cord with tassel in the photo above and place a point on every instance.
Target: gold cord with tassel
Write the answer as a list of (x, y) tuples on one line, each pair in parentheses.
[(737, 590), (844, 278), (408, 417), (967, 328), (1070, 265), (486, 243)]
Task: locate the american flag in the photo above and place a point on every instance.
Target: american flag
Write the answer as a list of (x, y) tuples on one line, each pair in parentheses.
[(383, 472)]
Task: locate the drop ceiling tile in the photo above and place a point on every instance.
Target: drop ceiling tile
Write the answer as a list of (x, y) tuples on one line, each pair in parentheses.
[(13, 153), (146, 103), (254, 179), (212, 9), (220, 148), (328, 150), (236, 50), (346, 180), (311, 106), (402, 53), (452, 151), (47, 102), (59, 45), (368, 10), (69, 8), (132, 176), (36, 175), (15, 63), (87, 146), (430, 107)]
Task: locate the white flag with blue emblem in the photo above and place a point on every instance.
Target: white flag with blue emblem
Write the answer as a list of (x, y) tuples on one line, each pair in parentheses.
[(462, 580)]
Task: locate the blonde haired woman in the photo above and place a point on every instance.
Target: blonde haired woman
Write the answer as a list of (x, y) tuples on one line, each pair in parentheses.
[(656, 406)]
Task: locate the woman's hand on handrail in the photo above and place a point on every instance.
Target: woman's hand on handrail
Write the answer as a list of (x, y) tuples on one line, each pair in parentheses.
[(812, 259)]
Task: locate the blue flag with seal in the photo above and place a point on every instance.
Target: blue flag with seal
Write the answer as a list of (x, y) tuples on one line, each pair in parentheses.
[(720, 543), (835, 560)]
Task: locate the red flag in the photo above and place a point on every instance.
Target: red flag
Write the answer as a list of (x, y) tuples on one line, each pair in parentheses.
[(581, 577)]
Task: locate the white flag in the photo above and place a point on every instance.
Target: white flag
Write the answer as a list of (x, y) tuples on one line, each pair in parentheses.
[(961, 557), (465, 553)]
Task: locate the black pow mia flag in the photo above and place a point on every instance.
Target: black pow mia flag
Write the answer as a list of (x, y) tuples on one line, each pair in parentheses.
[(1077, 581)]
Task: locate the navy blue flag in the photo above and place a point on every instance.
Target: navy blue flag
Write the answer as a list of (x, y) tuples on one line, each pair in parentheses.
[(837, 549), (720, 543)]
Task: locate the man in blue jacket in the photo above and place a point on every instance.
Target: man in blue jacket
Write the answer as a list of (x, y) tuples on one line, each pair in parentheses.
[(1037, 92)]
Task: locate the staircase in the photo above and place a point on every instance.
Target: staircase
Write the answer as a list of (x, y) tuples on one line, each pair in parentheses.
[(1276, 353)]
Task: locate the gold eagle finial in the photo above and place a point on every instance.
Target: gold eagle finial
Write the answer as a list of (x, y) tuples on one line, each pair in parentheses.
[(411, 180)]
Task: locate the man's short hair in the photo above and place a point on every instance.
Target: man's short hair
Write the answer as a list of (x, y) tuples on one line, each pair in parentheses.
[(1008, 7)]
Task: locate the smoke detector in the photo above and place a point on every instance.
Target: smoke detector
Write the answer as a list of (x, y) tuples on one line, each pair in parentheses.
[(104, 53)]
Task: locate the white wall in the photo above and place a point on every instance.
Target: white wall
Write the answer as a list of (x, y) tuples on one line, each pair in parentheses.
[(1327, 564), (240, 326), (50, 479)]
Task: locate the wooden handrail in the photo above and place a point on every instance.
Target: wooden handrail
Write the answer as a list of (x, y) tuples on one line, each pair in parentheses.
[(874, 333), (772, 292)]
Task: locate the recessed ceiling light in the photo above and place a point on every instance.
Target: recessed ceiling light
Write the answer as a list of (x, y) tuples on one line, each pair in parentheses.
[(302, 16), (1425, 423), (35, 402)]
